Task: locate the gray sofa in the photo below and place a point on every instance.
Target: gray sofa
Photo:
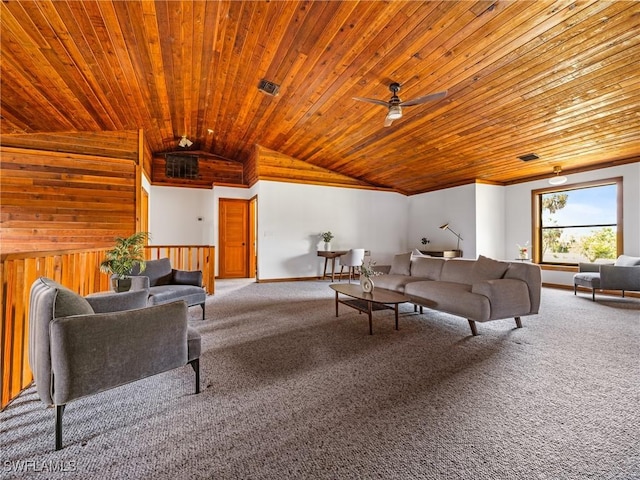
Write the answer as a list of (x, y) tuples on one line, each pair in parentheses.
[(478, 290), (623, 275), (166, 284), (79, 346)]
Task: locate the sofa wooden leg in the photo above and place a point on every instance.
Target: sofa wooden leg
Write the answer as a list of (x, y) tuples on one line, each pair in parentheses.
[(518, 322), (202, 305), (575, 289), (593, 294), (195, 364), (472, 324), (59, 412)]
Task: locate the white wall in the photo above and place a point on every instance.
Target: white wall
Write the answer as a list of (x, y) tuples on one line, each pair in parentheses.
[(174, 214), (455, 206), (291, 217), (518, 212), (492, 220)]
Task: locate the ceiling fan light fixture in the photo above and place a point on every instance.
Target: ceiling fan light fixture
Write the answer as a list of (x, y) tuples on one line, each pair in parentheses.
[(557, 179), (395, 112), (185, 142)]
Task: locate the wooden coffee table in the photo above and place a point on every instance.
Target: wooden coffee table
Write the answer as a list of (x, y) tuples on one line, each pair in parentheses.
[(379, 299)]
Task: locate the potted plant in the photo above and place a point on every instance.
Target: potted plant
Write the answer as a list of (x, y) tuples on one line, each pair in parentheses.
[(120, 260), (327, 237)]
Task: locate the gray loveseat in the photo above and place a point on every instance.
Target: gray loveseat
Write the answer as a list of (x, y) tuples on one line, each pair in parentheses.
[(478, 290), (81, 346), (166, 284)]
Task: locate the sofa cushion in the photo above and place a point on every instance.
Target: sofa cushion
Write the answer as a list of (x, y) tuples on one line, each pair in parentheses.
[(627, 261), (457, 270), (428, 268), (401, 264), (486, 268), (394, 282), (450, 297), (69, 303)]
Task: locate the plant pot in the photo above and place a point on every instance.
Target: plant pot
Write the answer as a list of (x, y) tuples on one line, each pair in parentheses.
[(327, 246), (121, 284), (367, 284)]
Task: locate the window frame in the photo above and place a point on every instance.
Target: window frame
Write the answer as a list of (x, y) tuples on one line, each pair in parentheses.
[(536, 216)]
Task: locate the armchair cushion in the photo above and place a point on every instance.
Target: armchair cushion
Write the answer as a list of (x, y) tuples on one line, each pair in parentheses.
[(158, 271), (627, 261), (69, 303), (182, 277)]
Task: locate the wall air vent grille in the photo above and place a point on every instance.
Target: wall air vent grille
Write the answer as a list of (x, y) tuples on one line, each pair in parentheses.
[(528, 157), (182, 166), (268, 87)]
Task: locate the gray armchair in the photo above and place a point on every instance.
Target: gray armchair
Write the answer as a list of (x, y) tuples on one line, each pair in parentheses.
[(166, 284), (79, 346), (623, 275)]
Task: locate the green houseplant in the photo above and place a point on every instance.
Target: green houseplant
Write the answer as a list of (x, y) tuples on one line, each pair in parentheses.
[(326, 237), (120, 260)]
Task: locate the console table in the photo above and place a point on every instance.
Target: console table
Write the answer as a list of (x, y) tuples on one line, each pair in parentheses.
[(443, 253), (330, 255)]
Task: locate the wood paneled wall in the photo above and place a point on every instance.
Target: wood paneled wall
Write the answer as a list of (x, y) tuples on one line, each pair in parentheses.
[(52, 200), (212, 170), (272, 165)]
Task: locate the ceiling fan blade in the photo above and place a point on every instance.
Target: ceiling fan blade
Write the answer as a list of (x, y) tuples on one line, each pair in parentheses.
[(388, 121), (372, 100), (426, 98)]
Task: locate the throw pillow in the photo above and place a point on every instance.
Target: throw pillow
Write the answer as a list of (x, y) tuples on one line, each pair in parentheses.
[(70, 303), (401, 264), (627, 261), (487, 268)]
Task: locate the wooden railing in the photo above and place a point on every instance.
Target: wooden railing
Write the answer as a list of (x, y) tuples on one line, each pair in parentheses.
[(78, 270)]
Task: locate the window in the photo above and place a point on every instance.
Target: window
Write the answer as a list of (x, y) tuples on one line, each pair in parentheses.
[(182, 166), (579, 223)]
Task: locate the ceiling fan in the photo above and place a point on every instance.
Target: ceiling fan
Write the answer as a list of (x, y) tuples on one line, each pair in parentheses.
[(395, 104)]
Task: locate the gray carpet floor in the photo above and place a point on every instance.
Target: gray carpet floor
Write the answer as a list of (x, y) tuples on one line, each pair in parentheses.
[(291, 391)]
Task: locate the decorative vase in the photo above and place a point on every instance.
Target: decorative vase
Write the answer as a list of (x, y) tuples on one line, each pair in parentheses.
[(327, 246), (121, 284), (366, 283), (523, 254)]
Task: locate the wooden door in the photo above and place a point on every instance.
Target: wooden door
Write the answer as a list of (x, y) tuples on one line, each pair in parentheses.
[(233, 238)]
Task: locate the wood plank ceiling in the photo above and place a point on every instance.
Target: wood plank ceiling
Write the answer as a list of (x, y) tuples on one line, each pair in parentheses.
[(560, 79)]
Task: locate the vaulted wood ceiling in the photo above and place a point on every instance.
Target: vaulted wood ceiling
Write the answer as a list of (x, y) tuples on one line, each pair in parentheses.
[(560, 79)]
